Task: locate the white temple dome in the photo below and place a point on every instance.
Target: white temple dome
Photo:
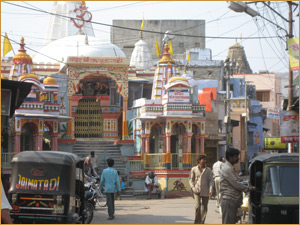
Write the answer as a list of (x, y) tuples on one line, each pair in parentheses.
[(141, 57), (77, 45)]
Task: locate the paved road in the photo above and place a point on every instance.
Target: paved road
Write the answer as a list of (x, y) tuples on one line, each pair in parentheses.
[(156, 211)]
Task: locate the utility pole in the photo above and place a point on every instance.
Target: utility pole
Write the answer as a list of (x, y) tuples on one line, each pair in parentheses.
[(246, 125), (290, 89), (228, 66), (239, 6)]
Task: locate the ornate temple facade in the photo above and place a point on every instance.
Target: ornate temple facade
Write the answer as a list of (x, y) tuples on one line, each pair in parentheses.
[(35, 125), (169, 128)]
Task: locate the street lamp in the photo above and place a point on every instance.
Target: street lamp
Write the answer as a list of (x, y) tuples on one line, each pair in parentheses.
[(242, 7)]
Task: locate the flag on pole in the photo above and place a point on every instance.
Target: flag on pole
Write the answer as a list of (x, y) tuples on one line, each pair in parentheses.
[(142, 25), (157, 48), (170, 48), (6, 45), (189, 56)]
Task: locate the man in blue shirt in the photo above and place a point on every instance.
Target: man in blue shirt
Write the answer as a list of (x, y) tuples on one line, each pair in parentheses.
[(110, 180)]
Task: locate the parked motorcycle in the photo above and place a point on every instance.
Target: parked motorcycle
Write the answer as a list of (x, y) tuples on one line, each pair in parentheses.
[(93, 187), (88, 210)]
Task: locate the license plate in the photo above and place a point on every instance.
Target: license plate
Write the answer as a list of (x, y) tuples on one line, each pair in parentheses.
[(58, 209)]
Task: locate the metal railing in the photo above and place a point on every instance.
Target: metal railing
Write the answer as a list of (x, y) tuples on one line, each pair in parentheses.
[(157, 161)]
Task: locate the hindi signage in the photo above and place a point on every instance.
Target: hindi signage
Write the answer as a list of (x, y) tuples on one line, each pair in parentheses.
[(273, 113), (177, 96), (289, 128)]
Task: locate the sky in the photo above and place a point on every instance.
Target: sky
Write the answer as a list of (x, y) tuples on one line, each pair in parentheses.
[(263, 52)]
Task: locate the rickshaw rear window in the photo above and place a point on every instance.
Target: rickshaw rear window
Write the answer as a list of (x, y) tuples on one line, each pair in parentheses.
[(282, 181), (38, 172)]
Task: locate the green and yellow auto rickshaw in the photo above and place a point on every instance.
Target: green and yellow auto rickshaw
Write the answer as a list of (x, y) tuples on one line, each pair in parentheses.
[(276, 199)]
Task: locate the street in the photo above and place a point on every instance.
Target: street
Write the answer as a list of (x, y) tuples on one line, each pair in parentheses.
[(156, 211)]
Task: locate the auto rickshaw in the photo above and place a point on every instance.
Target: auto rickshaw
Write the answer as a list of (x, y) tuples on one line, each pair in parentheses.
[(276, 199), (47, 187)]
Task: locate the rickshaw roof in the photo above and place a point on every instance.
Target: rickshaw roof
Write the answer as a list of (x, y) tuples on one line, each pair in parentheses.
[(47, 157), (276, 157)]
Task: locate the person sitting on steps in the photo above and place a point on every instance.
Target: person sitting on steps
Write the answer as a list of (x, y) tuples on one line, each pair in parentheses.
[(151, 184)]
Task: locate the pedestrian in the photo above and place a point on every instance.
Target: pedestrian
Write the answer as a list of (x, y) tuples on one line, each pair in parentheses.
[(151, 184), (94, 160), (230, 187), (201, 182), (88, 167), (110, 180), (5, 208), (216, 177)]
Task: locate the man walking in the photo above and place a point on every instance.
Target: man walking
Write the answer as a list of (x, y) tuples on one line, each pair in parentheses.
[(201, 182), (230, 187), (94, 160), (216, 176), (110, 180)]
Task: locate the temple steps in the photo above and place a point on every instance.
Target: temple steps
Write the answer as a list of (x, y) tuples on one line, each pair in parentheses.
[(103, 150)]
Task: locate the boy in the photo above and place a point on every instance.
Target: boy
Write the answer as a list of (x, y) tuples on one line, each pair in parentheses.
[(110, 180)]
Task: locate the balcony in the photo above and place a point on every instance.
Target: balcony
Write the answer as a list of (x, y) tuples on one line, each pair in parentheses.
[(164, 161)]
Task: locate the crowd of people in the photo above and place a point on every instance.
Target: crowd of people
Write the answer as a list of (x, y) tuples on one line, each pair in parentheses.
[(226, 182), (203, 181)]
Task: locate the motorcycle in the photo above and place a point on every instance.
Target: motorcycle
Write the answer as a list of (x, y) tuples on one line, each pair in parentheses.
[(95, 195), (88, 208)]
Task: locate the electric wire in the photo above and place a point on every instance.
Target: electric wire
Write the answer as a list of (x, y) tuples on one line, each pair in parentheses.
[(126, 28)]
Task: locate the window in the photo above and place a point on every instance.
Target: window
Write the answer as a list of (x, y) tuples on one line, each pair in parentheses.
[(263, 96), (194, 55), (250, 138), (282, 181), (114, 96)]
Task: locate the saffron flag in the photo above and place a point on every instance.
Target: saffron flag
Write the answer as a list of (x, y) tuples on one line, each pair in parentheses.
[(170, 48), (189, 56), (6, 45), (142, 25), (157, 48), (293, 48)]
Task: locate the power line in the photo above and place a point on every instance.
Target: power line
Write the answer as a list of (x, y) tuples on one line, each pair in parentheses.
[(126, 28)]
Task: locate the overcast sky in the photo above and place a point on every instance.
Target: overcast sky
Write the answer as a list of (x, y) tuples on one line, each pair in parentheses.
[(263, 54)]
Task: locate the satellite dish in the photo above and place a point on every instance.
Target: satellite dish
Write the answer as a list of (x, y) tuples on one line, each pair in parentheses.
[(168, 36)]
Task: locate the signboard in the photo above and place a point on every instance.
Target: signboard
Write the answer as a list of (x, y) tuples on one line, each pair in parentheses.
[(177, 96), (293, 48), (274, 143), (5, 102), (273, 113), (289, 127)]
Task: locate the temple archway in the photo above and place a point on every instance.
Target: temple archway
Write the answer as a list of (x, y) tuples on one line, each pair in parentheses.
[(28, 134), (156, 139)]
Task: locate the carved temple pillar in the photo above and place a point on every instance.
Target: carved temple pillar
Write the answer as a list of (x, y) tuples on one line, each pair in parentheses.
[(188, 154), (202, 151), (39, 142), (124, 122), (54, 142), (197, 144), (17, 142), (168, 151)]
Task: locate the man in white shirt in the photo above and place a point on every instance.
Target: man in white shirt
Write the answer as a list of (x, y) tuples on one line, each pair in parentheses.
[(216, 176), (151, 184), (94, 160), (201, 182), (5, 207)]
